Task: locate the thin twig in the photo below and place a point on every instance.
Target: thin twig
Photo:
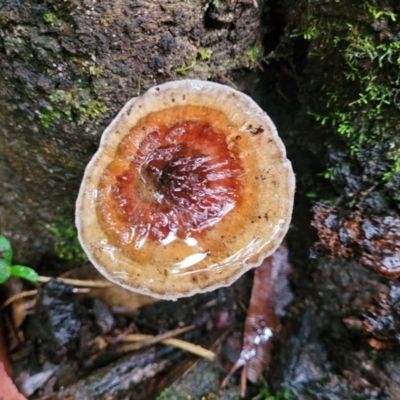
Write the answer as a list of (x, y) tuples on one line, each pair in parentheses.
[(17, 297), (77, 282), (29, 293), (181, 344), (148, 340), (166, 338)]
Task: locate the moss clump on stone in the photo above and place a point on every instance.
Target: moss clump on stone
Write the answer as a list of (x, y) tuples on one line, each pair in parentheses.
[(352, 91), (253, 56), (67, 244), (73, 104)]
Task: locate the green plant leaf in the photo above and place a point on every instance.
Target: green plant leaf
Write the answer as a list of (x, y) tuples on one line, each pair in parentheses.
[(4, 273), (5, 249), (24, 272)]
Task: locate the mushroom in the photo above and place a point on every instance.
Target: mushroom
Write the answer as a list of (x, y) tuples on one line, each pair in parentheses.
[(189, 189)]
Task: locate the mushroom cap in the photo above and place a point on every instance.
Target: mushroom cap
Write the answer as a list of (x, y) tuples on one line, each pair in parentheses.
[(189, 189)]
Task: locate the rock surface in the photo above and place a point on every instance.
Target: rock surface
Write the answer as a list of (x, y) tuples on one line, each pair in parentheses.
[(66, 70)]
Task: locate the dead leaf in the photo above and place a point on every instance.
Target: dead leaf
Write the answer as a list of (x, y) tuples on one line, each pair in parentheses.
[(3, 352), (270, 294), (8, 391)]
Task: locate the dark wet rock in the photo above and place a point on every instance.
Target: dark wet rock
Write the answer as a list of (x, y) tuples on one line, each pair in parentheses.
[(103, 316), (57, 323), (329, 353), (308, 370), (374, 241), (120, 379), (166, 43), (391, 365), (66, 69), (382, 319)]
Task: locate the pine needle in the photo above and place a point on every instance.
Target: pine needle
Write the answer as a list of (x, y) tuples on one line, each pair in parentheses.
[(166, 338)]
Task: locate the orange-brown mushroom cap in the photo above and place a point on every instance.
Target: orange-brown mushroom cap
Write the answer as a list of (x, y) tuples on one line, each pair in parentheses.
[(189, 189)]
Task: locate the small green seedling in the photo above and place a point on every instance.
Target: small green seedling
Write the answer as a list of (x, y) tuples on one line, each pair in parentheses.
[(7, 269)]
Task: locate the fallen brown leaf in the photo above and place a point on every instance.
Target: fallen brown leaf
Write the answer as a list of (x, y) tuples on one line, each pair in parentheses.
[(8, 391)]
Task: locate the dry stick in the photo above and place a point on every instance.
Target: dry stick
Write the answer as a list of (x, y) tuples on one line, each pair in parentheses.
[(77, 282), (166, 338), (148, 340), (190, 347), (17, 297), (34, 292)]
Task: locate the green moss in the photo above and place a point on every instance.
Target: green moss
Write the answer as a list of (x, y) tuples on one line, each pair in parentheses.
[(49, 17), (185, 67), (202, 55), (49, 116), (94, 70), (75, 104), (265, 394), (67, 243), (253, 55), (355, 56), (54, 21), (205, 54), (376, 14)]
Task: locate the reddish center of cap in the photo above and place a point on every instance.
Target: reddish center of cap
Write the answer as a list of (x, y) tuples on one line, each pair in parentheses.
[(181, 181)]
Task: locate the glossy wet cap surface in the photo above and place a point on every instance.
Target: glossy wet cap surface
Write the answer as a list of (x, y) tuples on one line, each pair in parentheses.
[(189, 189)]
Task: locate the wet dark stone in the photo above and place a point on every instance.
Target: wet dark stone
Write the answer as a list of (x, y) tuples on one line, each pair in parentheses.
[(375, 201), (68, 45), (198, 31), (382, 319), (346, 173), (344, 235), (123, 69), (119, 380), (45, 84), (381, 325), (329, 353), (103, 316), (166, 43), (395, 297), (157, 62), (372, 240), (178, 13), (332, 221), (370, 230), (133, 25), (308, 369), (58, 321), (102, 49)]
